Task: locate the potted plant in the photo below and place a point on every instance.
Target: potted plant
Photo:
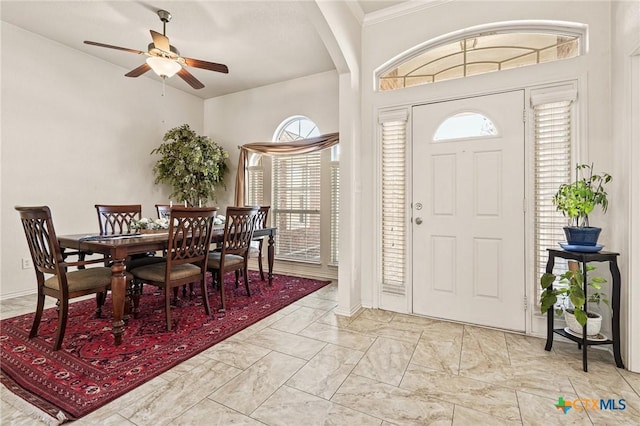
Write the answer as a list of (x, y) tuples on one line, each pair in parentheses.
[(574, 301), (192, 165), (578, 199)]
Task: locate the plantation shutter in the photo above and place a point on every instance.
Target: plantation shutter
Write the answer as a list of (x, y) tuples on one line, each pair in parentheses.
[(553, 135), (393, 184), (335, 211), (296, 206)]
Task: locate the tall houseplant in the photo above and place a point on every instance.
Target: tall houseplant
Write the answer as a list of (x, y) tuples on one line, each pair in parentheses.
[(576, 200), (192, 165)]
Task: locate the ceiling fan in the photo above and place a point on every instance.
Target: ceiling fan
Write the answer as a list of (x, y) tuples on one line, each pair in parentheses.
[(164, 59)]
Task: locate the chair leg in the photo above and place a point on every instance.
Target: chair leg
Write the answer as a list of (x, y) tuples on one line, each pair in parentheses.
[(100, 299), (63, 313), (36, 319), (237, 277), (167, 305), (136, 292), (260, 261), (176, 299), (205, 296), (221, 284), (246, 278)]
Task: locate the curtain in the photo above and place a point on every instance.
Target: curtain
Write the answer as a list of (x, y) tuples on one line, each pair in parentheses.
[(284, 149)]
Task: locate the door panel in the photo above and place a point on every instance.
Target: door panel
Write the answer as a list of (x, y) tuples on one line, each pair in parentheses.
[(468, 252)]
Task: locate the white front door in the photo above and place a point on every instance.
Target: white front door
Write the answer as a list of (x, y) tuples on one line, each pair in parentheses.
[(468, 217)]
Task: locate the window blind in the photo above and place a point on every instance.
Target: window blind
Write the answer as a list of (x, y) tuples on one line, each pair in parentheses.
[(394, 222), (335, 211), (255, 190), (296, 207), (553, 167)]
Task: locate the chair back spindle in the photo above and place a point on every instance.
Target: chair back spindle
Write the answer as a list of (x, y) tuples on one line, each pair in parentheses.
[(116, 219), (41, 238)]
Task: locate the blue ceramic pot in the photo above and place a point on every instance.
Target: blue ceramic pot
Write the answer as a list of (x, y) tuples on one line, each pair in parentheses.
[(587, 236)]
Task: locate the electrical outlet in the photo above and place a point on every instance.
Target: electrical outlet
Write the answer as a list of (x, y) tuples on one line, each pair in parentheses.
[(26, 263)]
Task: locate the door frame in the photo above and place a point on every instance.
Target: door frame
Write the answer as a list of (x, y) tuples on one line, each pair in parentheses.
[(404, 303)]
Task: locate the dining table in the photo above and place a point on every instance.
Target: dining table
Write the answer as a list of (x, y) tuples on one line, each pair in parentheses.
[(119, 247)]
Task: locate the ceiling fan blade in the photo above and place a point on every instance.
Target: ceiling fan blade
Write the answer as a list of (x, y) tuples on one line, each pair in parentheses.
[(160, 41), (211, 66), (138, 71), (126, 49), (190, 79)]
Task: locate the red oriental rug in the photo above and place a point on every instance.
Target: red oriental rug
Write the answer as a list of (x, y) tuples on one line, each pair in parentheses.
[(89, 371)]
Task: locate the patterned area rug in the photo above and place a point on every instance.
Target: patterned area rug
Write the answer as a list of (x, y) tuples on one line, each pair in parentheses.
[(89, 371)]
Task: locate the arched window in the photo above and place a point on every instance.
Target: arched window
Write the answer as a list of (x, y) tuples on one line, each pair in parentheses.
[(483, 49), (465, 125), (296, 195)]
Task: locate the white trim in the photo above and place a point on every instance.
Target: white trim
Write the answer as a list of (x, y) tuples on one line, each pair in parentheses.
[(393, 115), (555, 94), (575, 29), (633, 302)]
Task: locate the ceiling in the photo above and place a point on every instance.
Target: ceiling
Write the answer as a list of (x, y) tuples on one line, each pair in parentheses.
[(262, 42)]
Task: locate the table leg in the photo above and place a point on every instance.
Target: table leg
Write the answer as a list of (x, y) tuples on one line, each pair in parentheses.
[(550, 312), (118, 290), (615, 316), (270, 256)]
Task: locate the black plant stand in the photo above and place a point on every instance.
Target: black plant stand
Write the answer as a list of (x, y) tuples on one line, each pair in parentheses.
[(583, 342)]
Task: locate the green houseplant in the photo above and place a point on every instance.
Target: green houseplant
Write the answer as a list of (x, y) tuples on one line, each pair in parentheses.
[(191, 164), (576, 200), (570, 291)]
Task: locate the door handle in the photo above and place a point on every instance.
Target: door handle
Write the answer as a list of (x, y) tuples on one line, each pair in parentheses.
[(418, 221)]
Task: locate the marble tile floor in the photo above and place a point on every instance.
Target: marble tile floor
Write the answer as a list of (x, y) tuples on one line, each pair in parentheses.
[(304, 365)]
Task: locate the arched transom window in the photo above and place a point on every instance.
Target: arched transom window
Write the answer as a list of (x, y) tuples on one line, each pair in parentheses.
[(479, 51)]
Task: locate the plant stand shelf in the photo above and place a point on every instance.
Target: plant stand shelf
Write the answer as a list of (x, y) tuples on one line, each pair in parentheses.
[(583, 342)]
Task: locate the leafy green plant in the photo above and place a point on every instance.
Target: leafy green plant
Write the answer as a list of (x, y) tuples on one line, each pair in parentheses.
[(571, 292), (578, 199), (192, 165)]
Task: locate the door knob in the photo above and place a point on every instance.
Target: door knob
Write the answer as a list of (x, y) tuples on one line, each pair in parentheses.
[(418, 220)]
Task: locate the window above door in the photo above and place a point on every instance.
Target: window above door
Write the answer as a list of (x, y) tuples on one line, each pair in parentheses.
[(484, 49)]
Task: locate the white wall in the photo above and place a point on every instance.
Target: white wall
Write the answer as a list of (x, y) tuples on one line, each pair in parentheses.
[(625, 107), (75, 132)]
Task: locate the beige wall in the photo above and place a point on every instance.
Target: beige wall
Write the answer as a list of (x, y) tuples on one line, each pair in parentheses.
[(75, 132)]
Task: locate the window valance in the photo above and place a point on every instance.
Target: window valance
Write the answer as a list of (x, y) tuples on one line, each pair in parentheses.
[(284, 149)]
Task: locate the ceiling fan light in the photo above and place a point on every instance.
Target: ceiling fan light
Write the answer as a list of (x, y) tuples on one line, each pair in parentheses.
[(163, 67)]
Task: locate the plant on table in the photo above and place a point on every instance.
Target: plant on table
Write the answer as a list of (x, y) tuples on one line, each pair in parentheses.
[(194, 166), (150, 224), (576, 200), (570, 291)]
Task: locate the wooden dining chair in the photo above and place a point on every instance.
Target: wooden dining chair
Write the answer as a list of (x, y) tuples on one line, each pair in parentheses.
[(164, 210), (63, 285), (233, 254), (187, 255), (257, 243), (115, 219)]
